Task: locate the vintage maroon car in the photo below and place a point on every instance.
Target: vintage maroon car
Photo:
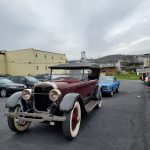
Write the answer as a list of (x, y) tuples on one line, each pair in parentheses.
[(64, 99)]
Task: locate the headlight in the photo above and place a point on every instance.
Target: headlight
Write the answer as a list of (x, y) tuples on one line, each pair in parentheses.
[(26, 94), (54, 95)]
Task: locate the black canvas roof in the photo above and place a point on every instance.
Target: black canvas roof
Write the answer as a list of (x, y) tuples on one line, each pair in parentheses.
[(76, 66)]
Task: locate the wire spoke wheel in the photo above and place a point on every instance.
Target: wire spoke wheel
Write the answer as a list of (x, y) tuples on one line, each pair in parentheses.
[(17, 124)]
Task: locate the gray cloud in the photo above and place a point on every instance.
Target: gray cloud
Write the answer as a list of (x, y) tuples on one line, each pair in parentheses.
[(99, 27)]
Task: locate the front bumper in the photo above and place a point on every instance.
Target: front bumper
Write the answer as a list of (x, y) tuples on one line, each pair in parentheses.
[(35, 117), (106, 91)]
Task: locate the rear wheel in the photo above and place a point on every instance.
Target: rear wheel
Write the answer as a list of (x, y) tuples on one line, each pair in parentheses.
[(16, 124), (3, 92), (72, 124), (99, 105)]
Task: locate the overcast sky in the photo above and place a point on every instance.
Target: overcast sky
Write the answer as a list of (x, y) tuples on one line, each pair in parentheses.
[(98, 27)]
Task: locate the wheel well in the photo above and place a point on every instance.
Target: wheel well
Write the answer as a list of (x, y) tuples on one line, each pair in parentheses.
[(82, 105)]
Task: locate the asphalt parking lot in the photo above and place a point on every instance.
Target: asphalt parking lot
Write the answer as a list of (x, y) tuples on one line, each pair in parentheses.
[(123, 123)]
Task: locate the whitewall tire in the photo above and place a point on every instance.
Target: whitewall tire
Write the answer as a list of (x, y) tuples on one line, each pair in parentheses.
[(72, 124)]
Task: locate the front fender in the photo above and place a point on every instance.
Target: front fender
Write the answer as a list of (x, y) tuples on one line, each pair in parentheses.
[(68, 101), (14, 100)]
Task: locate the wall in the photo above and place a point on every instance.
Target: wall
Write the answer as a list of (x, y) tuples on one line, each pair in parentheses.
[(31, 61), (3, 69)]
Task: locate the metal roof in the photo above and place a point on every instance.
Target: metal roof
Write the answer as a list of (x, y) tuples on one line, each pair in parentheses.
[(76, 66)]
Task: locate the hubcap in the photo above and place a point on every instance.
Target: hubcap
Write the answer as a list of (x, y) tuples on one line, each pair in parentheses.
[(3, 93), (19, 120)]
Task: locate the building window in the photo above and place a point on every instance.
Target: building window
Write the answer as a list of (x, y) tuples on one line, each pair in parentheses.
[(52, 57), (45, 67), (37, 67), (36, 55), (45, 56)]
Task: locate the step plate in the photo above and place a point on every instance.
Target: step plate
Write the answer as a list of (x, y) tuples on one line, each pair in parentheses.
[(91, 105)]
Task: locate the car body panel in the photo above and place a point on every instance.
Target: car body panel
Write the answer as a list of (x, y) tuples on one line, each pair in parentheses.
[(27, 80), (10, 86), (14, 100)]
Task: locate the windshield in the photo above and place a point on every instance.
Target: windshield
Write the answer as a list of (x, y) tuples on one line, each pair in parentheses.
[(5, 81), (32, 79), (59, 74), (106, 79)]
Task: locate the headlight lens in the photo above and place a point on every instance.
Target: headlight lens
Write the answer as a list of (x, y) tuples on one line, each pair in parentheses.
[(54, 95), (26, 94)]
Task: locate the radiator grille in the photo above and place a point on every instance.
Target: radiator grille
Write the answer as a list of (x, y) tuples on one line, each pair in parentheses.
[(41, 98)]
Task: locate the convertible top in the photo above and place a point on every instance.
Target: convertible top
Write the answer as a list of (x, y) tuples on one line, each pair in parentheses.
[(76, 66)]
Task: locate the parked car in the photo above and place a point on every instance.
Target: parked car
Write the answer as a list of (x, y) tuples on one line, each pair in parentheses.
[(63, 100), (46, 77), (109, 85), (27, 80), (8, 87), (43, 77), (143, 76), (147, 80)]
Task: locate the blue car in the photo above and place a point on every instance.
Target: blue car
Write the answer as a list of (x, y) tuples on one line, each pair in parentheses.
[(109, 85)]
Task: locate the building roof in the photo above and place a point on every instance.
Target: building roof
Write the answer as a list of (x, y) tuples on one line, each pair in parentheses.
[(35, 50)]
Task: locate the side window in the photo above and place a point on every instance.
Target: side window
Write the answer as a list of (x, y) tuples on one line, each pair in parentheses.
[(115, 79), (14, 79), (22, 80)]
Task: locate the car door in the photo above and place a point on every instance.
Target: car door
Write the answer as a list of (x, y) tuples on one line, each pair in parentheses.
[(22, 80)]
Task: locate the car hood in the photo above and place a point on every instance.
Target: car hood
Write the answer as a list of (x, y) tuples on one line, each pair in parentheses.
[(14, 84), (64, 87), (105, 83)]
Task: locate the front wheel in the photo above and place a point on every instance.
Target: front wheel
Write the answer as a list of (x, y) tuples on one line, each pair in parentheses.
[(3, 93), (72, 124), (111, 93), (16, 124)]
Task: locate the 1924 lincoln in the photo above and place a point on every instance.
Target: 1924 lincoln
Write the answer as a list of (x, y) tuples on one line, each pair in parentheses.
[(62, 99)]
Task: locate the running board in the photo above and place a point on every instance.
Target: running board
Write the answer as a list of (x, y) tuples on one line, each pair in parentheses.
[(89, 106)]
